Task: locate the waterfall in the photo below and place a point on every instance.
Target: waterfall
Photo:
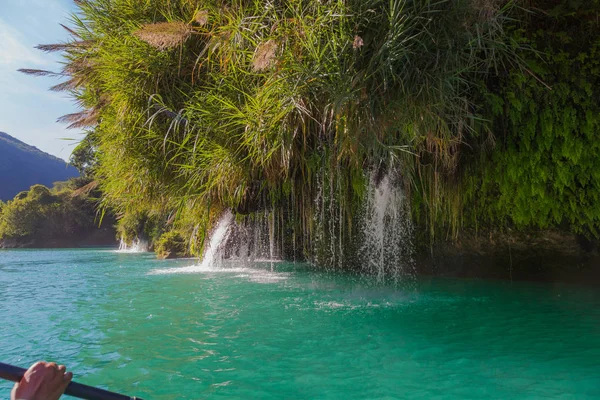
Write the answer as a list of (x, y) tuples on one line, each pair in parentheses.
[(327, 222), (138, 246), (382, 234), (381, 244), (252, 239), (257, 238), (386, 250), (214, 252), (248, 241)]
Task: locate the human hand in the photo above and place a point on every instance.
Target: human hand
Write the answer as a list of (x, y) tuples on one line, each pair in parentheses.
[(42, 381)]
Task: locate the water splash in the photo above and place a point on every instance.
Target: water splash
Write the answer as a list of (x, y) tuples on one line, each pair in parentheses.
[(260, 273), (213, 254), (138, 246), (238, 247), (387, 231)]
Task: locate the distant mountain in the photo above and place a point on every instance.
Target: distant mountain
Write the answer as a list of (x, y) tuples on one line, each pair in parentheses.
[(22, 166)]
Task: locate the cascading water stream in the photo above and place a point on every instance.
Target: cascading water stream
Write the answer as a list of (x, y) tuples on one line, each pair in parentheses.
[(255, 239), (213, 254), (387, 247), (382, 242), (235, 242), (382, 246)]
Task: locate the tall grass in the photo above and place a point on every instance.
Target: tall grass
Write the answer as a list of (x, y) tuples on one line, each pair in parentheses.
[(210, 104)]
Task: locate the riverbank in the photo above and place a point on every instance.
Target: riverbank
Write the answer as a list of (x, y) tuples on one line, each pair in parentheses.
[(98, 237), (544, 256), (548, 256)]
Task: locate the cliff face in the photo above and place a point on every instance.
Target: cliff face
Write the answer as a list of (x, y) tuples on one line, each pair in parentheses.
[(22, 166)]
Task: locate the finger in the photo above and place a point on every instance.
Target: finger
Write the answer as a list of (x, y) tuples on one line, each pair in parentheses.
[(66, 380), (36, 368), (51, 365), (37, 364), (62, 368)]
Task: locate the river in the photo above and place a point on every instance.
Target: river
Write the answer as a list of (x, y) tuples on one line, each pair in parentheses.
[(133, 324)]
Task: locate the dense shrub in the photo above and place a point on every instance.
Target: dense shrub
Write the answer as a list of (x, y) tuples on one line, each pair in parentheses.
[(197, 106), (171, 245), (483, 111), (45, 214), (545, 169)]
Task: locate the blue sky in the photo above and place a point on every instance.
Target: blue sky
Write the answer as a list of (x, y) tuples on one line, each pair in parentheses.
[(28, 110)]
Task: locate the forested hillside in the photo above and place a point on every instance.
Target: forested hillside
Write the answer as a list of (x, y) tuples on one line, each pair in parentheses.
[(62, 216), (22, 166)]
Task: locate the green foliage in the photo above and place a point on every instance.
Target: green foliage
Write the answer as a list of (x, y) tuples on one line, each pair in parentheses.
[(19, 219), (84, 156), (197, 106), (139, 224), (40, 194), (171, 245), (42, 215), (545, 170)]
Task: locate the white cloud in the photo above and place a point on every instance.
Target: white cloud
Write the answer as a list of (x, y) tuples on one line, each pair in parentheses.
[(14, 52), (14, 83)]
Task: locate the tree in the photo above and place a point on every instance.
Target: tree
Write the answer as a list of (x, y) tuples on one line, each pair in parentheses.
[(84, 156)]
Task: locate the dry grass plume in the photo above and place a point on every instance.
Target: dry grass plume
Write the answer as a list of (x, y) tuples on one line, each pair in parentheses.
[(164, 35), (264, 56), (201, 17)]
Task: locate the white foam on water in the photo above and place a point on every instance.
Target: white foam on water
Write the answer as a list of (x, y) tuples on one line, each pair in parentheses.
[(252, 274), (341, 305)]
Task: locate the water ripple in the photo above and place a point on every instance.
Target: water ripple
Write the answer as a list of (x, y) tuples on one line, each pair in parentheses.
[(166, 330)]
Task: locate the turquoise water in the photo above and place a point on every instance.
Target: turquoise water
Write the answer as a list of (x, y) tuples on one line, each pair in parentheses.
[(283, 331)]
